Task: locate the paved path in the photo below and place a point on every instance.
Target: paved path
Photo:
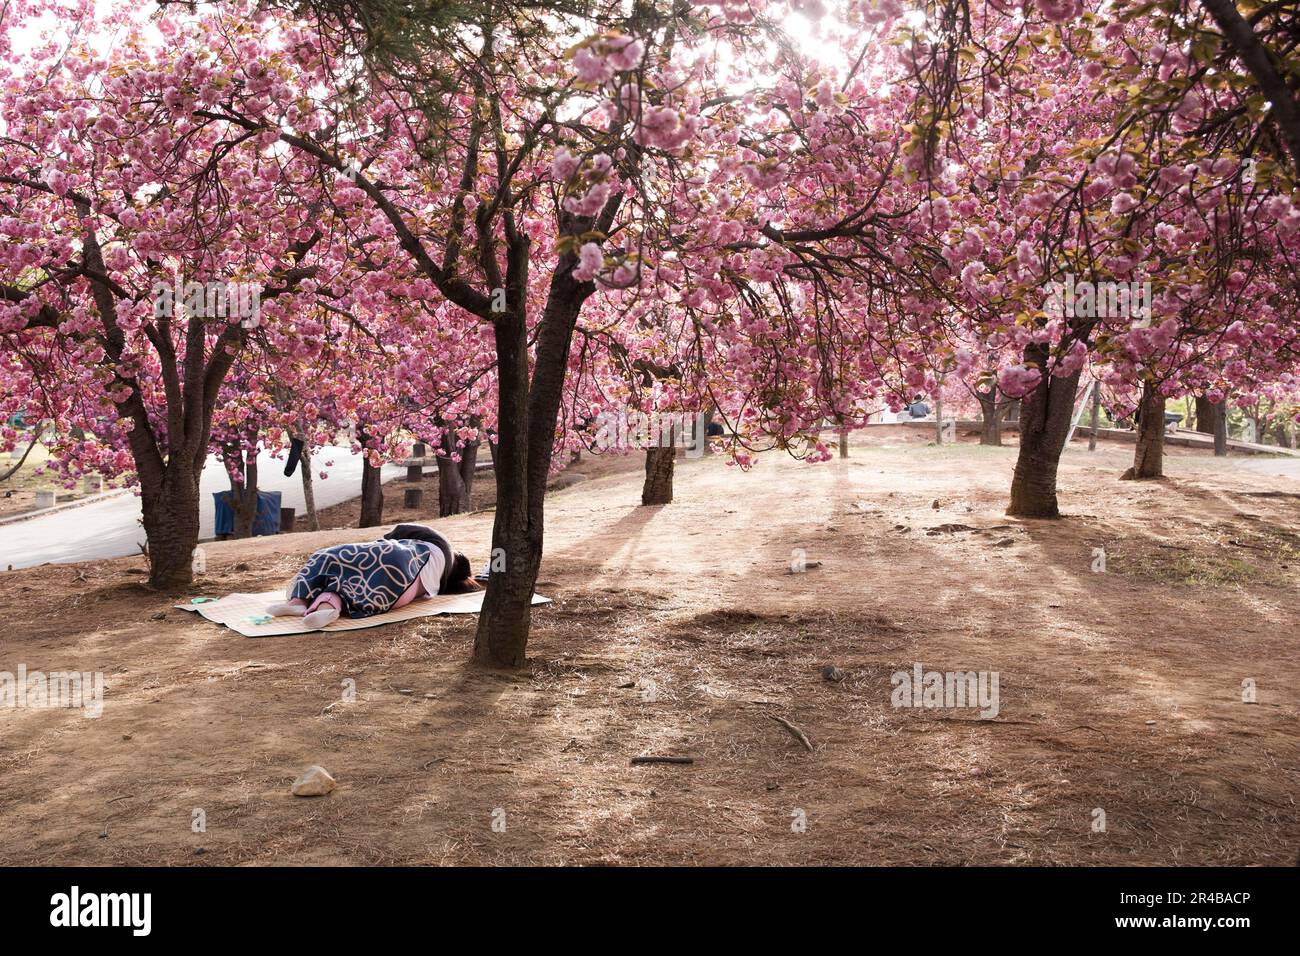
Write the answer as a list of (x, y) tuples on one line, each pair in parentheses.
[(110, 528), (1285, 467)]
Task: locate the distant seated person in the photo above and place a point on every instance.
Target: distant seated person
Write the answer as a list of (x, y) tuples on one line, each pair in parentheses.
[(918, 408), (409, 563)]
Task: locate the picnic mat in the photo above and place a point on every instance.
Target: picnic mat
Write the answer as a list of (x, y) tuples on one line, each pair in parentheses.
[(241, 612)]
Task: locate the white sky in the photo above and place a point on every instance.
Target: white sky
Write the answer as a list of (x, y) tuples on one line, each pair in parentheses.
[(48, 26), (810, 38)]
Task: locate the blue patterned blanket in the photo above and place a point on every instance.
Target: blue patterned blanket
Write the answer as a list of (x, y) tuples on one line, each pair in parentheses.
[(369, 577)]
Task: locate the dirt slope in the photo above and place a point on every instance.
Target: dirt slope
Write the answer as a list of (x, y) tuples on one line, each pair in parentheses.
[(1118, 690)]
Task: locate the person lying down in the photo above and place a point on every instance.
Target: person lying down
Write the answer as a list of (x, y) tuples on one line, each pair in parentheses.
[(361, 580)]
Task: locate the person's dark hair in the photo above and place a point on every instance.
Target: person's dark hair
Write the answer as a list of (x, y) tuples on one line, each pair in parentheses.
[(462, 576), (461, 579), (412, 532)]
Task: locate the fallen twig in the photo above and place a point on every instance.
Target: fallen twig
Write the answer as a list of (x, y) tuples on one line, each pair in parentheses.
[(1252, 547), (646, 758), (798, 734), (1087, 727)]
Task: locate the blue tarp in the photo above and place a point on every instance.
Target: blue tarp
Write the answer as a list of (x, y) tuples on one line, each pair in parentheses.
[(266, 521)]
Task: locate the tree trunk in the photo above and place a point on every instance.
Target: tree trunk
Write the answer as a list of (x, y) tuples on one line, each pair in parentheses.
[(308, 490), (170, 509), (844, 443), (707, 446), (36, 437), (658, 486), (1221, 429), (1283, 435), (372, 496), (1204, 415), (1096, 415), (991, 430), (169, 488), (468, 469), (1148, 459), (526, 416), (243, 494), (938, 420), (456, 482), (1045, 415), (1263, 65)]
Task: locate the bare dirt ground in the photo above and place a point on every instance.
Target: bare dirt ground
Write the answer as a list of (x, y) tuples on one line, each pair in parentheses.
[(677, 631)]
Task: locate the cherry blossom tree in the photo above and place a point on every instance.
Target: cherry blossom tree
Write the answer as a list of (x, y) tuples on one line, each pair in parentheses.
[(499, 222), (527, 169), (108, 201)]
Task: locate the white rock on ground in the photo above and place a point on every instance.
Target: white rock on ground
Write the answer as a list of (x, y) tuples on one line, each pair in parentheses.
[(314, 782)]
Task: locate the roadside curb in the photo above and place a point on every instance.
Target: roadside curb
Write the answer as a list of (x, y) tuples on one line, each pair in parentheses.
[(42, 512)]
